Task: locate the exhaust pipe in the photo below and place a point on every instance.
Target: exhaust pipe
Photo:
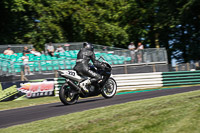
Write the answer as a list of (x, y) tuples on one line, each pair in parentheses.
[(75, 87)]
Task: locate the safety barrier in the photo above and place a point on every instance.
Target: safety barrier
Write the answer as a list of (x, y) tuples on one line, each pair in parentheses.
[(138, 81), (124, 82), (127, 81), (156, 80), (148, 80), (58, 82), (181, 78)]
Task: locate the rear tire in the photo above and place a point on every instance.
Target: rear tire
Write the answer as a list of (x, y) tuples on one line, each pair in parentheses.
[(67, 95), (110, 88)]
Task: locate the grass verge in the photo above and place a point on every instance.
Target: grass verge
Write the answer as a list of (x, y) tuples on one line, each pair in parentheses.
[(45, 100), (178, 113), (165, 87), (27, 102)]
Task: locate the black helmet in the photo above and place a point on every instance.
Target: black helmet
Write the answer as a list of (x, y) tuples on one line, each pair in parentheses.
[(88, 46)]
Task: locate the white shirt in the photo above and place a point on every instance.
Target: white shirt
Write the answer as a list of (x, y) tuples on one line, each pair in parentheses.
[(25, 59), (60, 49), (141, 47), (36, 53), (50, 48), (131, 47), (8, 52)]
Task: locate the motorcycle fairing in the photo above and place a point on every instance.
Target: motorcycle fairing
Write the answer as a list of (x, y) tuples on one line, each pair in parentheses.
[(71, 74)]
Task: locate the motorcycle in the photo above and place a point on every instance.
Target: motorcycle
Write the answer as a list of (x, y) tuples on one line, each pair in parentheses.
[(70, 91)]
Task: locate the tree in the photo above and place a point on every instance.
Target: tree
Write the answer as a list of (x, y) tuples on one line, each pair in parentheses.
[(95, 21), (32, 22), (171, 24)]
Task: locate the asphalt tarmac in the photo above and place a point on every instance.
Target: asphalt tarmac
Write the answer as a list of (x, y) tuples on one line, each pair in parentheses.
[(33, 113)]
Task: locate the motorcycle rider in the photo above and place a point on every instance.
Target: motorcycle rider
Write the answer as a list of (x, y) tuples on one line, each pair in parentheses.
[(82, 65)]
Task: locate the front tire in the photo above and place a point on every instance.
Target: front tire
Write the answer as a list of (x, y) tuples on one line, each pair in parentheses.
[(67, 95), (110, 88)]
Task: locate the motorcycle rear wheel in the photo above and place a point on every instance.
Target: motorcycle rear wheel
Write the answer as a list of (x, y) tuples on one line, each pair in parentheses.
[(67, 95), (110, 88)]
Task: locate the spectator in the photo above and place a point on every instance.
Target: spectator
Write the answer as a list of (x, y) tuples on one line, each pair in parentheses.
[(25, 59), (8, 51), (26, 50), (131, 47), (60, 49), (140, 48), (36, 53), (105, 48), (50, 49), (67, 47)]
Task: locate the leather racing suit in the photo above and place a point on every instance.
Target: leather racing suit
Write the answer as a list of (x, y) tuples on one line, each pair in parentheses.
[(82, 65)]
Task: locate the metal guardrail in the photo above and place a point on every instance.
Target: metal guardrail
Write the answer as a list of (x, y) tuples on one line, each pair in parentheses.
[(127, 81), (149, 80), (136, 81), (181, 78), (146, 55), (79, 45), (17, 48), (114, 58)]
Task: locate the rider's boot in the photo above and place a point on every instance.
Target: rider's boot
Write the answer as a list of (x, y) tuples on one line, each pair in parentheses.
[(84, 83)]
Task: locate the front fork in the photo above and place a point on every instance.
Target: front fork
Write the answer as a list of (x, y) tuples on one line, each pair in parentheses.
[(105, 79)]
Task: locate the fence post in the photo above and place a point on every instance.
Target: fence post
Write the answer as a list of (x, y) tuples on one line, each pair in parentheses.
[(125, 68), (39, 65), (196, 64), (23, 78), (154, 68), (188, 66), (176, 67), (56, 73)]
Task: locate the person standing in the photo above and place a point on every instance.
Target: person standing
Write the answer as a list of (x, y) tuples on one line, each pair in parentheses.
[(26, 50), (140, 48), (131, 47), (25, 59), (50, 49)]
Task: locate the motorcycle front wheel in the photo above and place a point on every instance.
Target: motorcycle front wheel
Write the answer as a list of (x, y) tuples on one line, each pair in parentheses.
[(67, 95), (110, 88)]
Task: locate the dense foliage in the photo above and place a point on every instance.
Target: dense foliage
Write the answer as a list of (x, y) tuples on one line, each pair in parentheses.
[(165, 23)]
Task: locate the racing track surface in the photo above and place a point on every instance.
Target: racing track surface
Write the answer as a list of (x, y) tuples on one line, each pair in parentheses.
[(33, 113)]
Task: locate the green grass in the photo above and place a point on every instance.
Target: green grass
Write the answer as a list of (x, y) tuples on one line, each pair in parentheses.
[(28, 102), (44, 100), (159, 88), (178, 113), (181, 86)]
